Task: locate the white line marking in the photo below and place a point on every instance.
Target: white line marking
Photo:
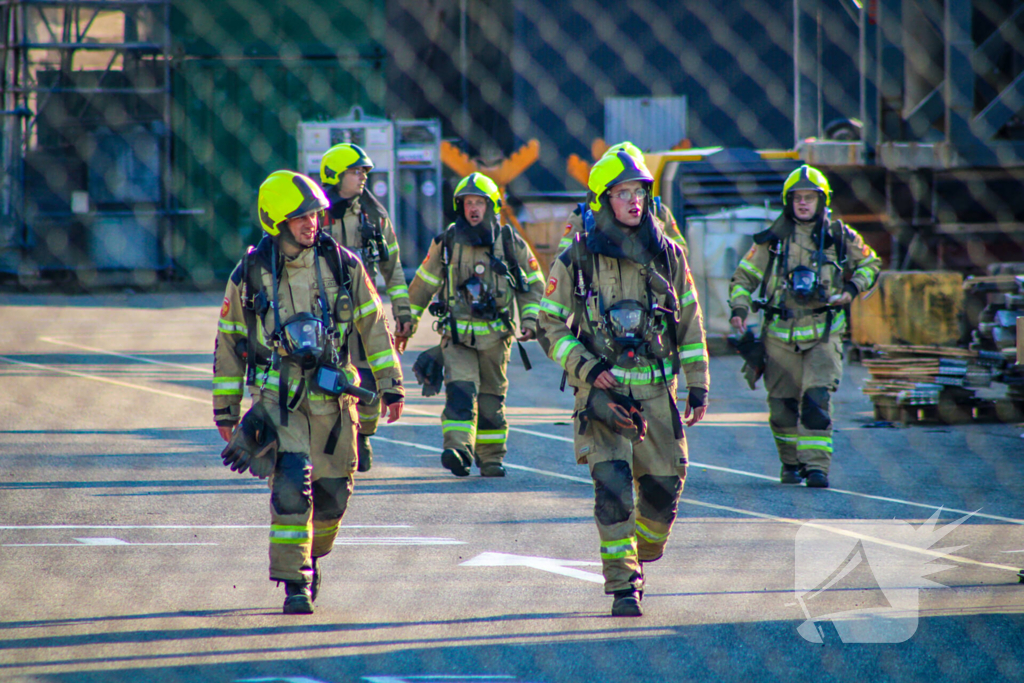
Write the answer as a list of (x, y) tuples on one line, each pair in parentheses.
[(106, 380), (405, 679), (190, 368), (397, 540), (89, 545), (531, 432), (187, 527), (787, 520), (755, 475)]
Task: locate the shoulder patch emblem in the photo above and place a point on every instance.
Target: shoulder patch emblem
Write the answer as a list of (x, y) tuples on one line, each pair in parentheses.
[(226, 307), (867, 250), (533, 263), (552, 284), (427, 258), (568, 229), (750, 254)]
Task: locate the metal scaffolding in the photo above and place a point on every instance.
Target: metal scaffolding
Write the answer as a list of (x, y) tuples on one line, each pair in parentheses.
[(86, 131), (941, 82)]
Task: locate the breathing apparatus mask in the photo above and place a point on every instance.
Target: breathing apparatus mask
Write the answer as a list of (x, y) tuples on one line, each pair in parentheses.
[(621, 338), (305, 339), (805, 284), (480, 299)]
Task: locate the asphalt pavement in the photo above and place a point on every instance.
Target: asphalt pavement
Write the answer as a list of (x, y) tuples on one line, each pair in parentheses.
[(128, 553)]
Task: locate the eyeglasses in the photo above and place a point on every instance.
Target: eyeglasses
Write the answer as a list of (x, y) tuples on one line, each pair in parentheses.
[(626, 195)]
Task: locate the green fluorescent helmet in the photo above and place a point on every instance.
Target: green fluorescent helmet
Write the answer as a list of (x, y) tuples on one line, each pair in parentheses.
[(339, 159), (479, 185), (807, 178), (286, 194), (612, 169)]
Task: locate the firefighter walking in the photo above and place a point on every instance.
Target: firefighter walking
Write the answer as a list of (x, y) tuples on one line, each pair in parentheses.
[(480, 270), (360, 223), (796, 273), (286, 330), (635, 325)]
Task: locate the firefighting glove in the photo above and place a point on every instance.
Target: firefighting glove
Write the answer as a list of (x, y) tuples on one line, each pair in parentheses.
[(429, 370), (754, 358), (253, 445), (620, 413)]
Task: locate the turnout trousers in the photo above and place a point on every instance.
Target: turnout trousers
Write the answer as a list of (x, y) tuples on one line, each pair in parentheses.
[(476, 383), (655, 470), (800, 385), (310, 488)]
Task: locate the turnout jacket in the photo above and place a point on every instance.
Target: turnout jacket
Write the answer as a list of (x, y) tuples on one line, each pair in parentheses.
[(297, 293), (470, 258), (667, 222), (620, 279), (803, 324), (347, 231)]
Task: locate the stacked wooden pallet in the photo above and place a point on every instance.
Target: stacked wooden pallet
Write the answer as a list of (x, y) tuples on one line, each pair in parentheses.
[(911, 383)]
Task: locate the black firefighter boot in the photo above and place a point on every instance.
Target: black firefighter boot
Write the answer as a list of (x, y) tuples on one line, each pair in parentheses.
[(626, 604), (365, 452), (456, 461), (791, 474), (297, 598)]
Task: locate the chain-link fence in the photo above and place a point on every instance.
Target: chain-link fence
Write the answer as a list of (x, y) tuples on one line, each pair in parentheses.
[(136, 132)]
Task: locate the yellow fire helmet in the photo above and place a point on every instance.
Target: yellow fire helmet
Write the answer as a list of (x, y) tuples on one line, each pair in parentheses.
[(339, 159), (807, 178), (286, 194), (612, 169), (480, 185), (627, 147)]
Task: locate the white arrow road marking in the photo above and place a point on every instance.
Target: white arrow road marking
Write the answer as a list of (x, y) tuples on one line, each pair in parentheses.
[(101, 541), (563, 567)]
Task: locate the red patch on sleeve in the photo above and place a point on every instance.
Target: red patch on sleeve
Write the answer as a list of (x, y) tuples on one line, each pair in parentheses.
[(428, 257), (750, 254), (226, 307), (568, 229), (533, 263), (552, 284), (867, 250)]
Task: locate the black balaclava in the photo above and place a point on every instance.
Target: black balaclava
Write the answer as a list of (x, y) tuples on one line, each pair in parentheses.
[(339, 205), (618, 240), (480, 235)]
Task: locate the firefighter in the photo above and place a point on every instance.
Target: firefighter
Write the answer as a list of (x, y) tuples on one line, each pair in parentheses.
[(636, 324), (796, 273), (664, 215), (292, 306), (479, 269), (360, 223)]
